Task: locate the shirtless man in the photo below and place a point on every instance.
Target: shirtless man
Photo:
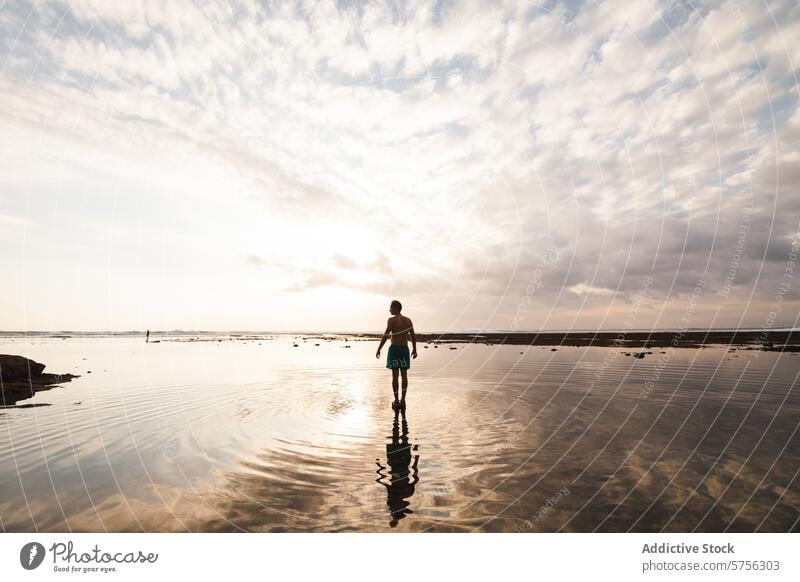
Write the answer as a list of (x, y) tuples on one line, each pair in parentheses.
[(399, 328)]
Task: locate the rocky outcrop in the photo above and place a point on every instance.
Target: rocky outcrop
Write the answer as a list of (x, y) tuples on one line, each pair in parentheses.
[(21, 378), (751, 339)]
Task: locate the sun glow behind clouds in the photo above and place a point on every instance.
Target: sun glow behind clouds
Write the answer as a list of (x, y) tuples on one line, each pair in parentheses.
[(295, 166)]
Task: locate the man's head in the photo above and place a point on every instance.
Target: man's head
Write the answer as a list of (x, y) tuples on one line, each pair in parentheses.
[(395, 307)]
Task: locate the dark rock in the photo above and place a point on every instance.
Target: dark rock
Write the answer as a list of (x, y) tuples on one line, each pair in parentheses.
[(19, 369), (21, 378), (784, 348)]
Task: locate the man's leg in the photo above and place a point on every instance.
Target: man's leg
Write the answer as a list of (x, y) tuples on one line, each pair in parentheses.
[(395, 385), (404, 373)]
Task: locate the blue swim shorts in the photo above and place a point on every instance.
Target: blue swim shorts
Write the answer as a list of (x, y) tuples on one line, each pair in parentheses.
[(398, 356)]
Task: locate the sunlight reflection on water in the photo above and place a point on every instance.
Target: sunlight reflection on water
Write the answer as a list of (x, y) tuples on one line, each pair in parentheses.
[(260, 435)]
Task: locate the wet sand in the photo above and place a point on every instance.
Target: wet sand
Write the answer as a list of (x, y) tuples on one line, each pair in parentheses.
[(296, 433)]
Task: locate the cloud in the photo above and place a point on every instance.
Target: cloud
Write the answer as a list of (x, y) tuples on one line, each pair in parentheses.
[(382, 264), (344, 262), (580, 289), (312, 281), (433, 149)]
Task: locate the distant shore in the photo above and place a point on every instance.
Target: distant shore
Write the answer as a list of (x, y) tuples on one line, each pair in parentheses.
[(763, 339), (774, 340)]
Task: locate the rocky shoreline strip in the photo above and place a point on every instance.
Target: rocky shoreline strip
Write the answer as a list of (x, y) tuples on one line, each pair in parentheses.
[(788, 341)]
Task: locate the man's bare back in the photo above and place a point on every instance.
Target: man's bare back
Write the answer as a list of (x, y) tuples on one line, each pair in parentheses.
[(399, 326)]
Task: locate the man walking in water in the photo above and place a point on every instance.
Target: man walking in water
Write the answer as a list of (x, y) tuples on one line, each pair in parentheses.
[(398, 360)]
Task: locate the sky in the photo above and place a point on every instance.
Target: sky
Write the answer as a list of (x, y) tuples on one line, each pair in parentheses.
[(493, 165)]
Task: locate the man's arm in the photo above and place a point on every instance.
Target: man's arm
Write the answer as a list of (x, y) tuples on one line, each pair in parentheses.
[(415, 473), (413, 339), (383, 340)]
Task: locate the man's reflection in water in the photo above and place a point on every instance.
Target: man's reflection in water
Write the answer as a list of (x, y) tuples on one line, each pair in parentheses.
[(402, 476)]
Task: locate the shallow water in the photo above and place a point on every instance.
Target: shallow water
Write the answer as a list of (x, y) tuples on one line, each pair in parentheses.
[(262, 436)]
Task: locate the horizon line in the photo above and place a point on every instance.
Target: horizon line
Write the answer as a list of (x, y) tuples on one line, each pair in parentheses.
[(341, 332)]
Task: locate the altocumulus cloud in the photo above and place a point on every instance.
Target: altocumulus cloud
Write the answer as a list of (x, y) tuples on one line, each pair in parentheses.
[(438, 149)]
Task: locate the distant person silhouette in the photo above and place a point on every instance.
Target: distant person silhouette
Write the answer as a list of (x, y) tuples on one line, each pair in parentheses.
[(403, 476), (147, 337), (398, 360)]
